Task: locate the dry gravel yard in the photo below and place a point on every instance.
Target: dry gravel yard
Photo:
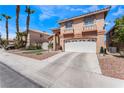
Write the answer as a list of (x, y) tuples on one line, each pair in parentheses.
[(112, 66), (36, 54)]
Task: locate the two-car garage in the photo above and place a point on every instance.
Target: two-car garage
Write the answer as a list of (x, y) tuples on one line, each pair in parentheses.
[(81, 45)]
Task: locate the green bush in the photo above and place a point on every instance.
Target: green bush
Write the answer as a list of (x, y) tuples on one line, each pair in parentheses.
[(38, 47), (50, 45), (101, 50), (33, 47), (105, 51), (4, 42), (38, 53)]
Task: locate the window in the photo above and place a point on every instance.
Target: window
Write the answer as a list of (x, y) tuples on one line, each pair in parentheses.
[(89, 21), (68, 24)]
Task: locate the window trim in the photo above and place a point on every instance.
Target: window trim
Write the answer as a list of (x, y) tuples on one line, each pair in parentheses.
[(69, 27), (89, 18)]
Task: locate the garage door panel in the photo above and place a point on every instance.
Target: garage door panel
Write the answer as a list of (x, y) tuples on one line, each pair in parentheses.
[(81, 46)]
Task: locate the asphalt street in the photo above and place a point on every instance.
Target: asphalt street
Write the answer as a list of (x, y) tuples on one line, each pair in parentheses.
[(11, 79)]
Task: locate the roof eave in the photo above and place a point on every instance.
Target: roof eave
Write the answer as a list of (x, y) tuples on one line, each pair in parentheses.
[(89, 14)]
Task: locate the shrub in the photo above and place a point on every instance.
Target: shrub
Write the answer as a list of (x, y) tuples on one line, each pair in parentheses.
[(33, 47), (101, 50), (50, 45), (105, 51), (38, 53), (38, 47), (4, 43)]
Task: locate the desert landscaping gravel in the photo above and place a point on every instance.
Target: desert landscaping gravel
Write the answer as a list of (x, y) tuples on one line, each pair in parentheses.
[(112, 66)]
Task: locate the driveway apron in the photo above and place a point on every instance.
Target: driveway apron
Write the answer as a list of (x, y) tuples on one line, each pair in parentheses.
[(53, 71)]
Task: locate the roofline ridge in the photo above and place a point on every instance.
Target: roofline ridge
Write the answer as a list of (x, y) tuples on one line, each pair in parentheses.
[(71, 18)]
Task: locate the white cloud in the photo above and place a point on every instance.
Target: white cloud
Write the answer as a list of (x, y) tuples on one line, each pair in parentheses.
[(120, 11), (114, 6), (46, 14), (75, 9), (93, 8), (49, 11), (84, 10)]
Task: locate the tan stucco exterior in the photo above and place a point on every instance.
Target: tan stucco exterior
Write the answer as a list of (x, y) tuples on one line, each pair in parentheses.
[(37, 37), (80, 31)]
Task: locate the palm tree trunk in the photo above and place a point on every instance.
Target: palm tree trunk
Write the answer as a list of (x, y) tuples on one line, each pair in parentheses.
[(17, 20), (7, 34), (27, 24)]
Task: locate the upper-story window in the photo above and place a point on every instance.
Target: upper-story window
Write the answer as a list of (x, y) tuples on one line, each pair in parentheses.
[(88, 21), (41, 35), (68, 24)]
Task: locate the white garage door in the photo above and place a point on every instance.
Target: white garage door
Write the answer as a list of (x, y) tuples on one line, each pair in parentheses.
[(86, 46)]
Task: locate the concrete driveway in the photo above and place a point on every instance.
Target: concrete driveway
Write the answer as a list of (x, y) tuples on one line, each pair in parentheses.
[(62, 70), (76, 61)]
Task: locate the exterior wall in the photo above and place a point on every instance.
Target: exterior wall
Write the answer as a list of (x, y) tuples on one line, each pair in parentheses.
[(78, 24), (108, 39), (78, 28), (99, 21), (100, 42), (34, 37)]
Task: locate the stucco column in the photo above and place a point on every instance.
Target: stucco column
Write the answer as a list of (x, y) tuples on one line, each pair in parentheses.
[(62, 42), (54, 44), (100, 40)]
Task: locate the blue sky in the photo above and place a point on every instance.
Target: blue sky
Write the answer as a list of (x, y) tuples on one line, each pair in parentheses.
[(47, 16)]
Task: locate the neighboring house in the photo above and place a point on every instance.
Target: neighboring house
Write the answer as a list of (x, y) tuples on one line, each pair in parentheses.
[(109, 41), (109, 36), (11, 41), (36, 37), (84, 33)]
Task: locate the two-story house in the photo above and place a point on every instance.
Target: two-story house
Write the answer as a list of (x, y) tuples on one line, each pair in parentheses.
[(36, 37), (84, 33)]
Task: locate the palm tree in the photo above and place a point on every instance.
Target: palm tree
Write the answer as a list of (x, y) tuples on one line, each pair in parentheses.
[(29, 11), (17, 20), (0, 19), (21, 42), (0, 32), (7, 17)]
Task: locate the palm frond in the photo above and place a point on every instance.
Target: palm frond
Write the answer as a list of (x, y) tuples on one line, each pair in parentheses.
[(4, 15), (27, 8), (9, 17), (32, 11)]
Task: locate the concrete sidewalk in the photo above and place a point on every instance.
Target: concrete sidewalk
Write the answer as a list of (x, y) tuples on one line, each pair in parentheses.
[(57, 71)]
